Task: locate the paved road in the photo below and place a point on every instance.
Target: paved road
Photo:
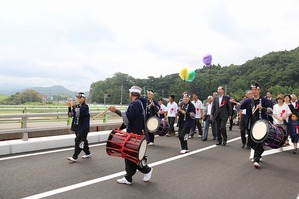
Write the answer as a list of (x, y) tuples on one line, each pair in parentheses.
[(207, 171)]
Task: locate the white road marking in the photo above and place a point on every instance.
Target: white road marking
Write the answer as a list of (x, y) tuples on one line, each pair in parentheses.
[(111, 176), (273, 151), (45, 152)]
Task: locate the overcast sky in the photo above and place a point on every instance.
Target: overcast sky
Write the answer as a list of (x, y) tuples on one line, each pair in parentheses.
[(74, 43)]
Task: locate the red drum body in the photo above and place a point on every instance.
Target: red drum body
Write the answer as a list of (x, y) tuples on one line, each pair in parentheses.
[(126, 145), (267, 133), (157, 126)]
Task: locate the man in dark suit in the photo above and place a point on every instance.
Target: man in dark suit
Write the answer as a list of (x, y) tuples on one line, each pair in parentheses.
[(221, 112)]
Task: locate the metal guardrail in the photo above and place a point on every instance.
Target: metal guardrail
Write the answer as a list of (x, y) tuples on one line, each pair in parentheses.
[(25, 117)]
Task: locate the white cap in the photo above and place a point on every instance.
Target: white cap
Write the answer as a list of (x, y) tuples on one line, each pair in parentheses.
[(135, 89)]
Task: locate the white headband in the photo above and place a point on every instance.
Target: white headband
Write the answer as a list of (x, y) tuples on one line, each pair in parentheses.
[(134, 90)]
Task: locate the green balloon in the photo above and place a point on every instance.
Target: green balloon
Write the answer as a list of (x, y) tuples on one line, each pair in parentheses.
[(191, 76)]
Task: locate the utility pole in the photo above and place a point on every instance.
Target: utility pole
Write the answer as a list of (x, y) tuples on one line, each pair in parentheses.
[(121, 94)]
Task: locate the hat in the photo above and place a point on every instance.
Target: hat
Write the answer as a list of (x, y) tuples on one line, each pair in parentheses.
[(80, 94), (135, 89)]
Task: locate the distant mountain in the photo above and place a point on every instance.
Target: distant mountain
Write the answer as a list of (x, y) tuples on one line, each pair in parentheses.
[(56, 90), (8, 89)]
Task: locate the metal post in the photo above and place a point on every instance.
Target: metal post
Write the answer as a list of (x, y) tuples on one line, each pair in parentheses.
[(24, 122)]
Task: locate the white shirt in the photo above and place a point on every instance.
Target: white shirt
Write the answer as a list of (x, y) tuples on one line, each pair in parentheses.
[(280, 111), (220, 100), (209, 109), (172, 109), (198, 108), (294, 104), (162, 109)]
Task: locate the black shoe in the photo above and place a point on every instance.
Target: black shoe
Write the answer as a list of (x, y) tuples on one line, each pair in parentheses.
[(295, 151), (204, 139), (218, 143), (243, 145), (224, 143), (214, 138)]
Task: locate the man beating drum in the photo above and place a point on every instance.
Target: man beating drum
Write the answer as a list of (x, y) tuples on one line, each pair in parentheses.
[(257, 108), (134, 119)]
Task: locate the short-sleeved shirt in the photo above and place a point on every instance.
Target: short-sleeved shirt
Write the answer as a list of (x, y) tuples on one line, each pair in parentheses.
[(280, 111), (172, 109), (198, 107)]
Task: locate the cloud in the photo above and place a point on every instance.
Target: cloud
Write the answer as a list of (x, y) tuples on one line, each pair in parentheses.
[(75, 43)]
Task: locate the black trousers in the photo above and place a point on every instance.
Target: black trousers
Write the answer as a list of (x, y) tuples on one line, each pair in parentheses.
[(243, 129), (171, 121), (257, 147), (221, 129), (81, 137), (198, 125), (258, 151), (132, 167), (150, 137), (183, 136)]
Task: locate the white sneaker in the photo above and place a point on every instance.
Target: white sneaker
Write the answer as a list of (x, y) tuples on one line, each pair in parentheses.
[(123, 181), (150, 144), (157, 136), (72, 159), (86, 156), (183, 151), (148, 176), (199, 136), (256, 165)]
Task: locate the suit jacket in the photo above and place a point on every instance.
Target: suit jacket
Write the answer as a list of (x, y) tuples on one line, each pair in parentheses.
[(222, 110)]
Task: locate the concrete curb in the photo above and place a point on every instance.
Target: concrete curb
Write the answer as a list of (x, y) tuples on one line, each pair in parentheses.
[(42, 143)]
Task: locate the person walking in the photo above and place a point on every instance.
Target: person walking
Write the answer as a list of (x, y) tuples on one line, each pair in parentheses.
[(80, 125), (221, 112), (134, 120)]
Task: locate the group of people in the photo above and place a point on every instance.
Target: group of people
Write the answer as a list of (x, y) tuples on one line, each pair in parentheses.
[(188, 113)]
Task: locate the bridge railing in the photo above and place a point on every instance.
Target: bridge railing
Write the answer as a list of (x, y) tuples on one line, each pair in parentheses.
[(19, 123)]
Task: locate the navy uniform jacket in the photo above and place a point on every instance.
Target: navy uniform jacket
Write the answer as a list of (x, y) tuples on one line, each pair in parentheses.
[(186, 120), (134, 117), (84, 118), (248, 105), (152, 110)]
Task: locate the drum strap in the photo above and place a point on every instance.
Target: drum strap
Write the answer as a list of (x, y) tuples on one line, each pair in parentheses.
[(253, 107)]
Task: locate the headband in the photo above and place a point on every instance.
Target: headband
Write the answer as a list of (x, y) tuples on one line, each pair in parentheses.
[(134, 90), (150, 92)]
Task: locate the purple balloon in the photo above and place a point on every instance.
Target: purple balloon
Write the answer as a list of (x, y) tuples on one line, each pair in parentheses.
[(207, 59)]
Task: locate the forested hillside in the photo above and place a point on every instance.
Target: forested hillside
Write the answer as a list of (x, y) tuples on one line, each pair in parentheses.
[(277, 72)]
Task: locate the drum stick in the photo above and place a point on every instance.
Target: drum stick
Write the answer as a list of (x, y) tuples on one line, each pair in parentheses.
[(254, 110), (100, 113)]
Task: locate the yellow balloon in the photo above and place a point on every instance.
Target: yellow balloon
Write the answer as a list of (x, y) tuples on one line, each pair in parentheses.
[(184, 73)]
